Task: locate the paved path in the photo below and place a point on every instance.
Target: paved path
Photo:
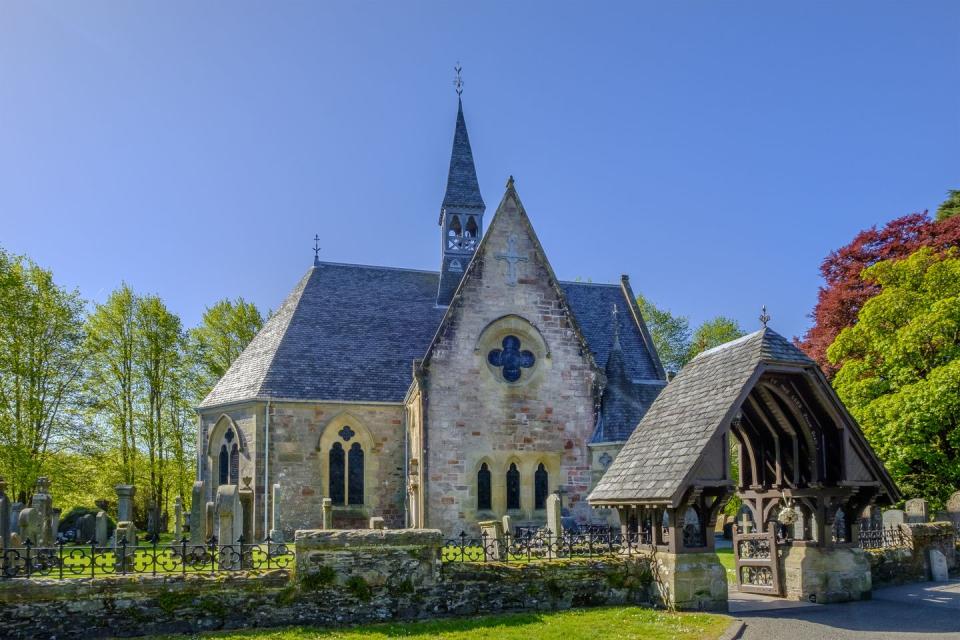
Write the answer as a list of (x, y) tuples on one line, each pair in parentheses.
[(911, 612)]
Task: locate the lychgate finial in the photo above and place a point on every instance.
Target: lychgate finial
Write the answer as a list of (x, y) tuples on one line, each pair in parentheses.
[(458, 81), (764, 316), (316, 250)]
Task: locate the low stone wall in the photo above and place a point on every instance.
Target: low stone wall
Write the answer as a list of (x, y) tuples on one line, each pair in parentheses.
[(341, 578), (911, 563)]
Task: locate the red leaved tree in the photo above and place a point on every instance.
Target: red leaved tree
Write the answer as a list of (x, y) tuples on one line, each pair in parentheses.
[(840, 299)]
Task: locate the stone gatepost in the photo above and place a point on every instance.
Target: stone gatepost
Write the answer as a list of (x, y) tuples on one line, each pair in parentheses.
[(101, 528), (177, 518), (4, 516), (689, 581), (327, 514), (229, 525), (276, 533), (125, 493), (825, 574), (246, 501), (917, 511), (198, 517)]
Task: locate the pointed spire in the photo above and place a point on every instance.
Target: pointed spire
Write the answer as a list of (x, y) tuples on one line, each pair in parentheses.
[(463, 188)]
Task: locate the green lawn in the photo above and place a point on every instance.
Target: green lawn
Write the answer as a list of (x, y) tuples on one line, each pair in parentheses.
[(611, 622), (727, 560)]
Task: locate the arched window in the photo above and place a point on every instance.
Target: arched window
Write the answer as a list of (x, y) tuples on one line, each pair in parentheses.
[(355, 474), (540, 488), (692, 530), (224, 462), (513, 487), (454, 233), (472, 227), (483, 488), (235, 465), (337, 474)]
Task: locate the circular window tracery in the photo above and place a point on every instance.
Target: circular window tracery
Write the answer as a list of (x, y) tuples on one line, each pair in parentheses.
[(511, 359)]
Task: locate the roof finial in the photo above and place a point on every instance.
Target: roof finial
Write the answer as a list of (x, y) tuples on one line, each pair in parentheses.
[(316, 250), (616, 327), (510, 182), (458, 81), (764, 316)]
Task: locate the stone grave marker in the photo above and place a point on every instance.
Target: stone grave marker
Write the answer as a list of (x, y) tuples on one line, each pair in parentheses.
[(86, 528), (554, 516), (198, 518), (493, 530), (125, 493), (327, 510), (15, 510), (953, 508), (507, 526), (102, 528), (55, 522), (916, 511), (893, 518), (177, 518), (276, 533), (4, 516), (376, 522), (246, 500), (229, 525), (938, 566)]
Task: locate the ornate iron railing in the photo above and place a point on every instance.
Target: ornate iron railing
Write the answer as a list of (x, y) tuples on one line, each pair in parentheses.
[(541, 544), (882, 538), (64, 560)]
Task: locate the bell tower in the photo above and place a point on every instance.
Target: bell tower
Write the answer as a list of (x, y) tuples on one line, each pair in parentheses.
[(461, 214)]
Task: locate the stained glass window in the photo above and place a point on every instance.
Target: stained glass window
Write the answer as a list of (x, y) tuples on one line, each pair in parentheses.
[(346, 433), (355, 474), (511, 358), (483, 488), (513, 487), (224, 465), (540, 488), (337, 475)]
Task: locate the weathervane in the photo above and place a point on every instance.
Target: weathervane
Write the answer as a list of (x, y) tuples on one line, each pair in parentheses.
[(316, 250), (458, 81), (764, 316)]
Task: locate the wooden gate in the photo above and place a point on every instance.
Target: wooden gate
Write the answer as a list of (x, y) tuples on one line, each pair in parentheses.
[(757, 566)]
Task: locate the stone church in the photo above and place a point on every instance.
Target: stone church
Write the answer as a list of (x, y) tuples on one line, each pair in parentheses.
[(434, 398)]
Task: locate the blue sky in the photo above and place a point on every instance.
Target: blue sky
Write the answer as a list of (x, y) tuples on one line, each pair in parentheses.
[(715, 151)]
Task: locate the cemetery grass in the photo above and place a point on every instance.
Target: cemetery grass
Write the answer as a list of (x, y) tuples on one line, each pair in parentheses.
[(608, 622), (728, 562)]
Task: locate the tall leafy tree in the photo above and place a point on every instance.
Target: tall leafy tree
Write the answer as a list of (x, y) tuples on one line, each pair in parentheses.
[(900, 370), (41, 359), (713, 333), (225, 330), (670, 334), (845, 291), (949, 207)]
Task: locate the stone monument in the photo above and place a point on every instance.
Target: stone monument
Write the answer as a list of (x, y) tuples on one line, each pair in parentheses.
[(246, 500), (125, 493), (229, 525), (4, 516), (198, 517), (507, 526), (327, 513), (276, 533), (102, 528), (15, 510), (893, 518), (953, 509), (491, 537), (177, 518), (938, 566), (916, 511), (376, 522)]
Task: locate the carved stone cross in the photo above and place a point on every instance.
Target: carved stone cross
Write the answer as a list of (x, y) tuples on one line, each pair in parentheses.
[(512, 258)]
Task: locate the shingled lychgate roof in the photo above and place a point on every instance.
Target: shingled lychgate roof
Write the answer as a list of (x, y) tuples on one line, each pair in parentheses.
[(670, 439), (351, 333)]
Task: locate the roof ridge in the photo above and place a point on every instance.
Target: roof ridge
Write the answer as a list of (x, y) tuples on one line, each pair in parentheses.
[(325, 263)]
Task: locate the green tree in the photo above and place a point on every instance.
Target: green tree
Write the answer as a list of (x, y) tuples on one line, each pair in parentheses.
[(41, 359), (670, 333), (949, 207), (713, 333), (225, 330), (901, 370)]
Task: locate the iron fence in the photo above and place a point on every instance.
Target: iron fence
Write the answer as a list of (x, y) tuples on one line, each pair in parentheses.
[(541, 544), (882, 538), (65, 560)]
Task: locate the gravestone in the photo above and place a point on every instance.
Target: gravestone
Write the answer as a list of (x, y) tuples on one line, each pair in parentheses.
[(276, 533), (86, 528), (507, 526), (938, 566), (209, 520), (916, 510), (491, 537), (35, 520), (554, 516), (153, 523), (4, 516), (198, 518), (953, 508), (125, 493), (124, 545), (229, 525), (177, 518), (102, 528), (327, 513), (55, 522), (246, 500), (15, 510), (893, 518)]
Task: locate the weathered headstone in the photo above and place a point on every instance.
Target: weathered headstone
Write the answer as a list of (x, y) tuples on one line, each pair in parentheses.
[(124, 545), (102, 528), (507, 526), (916, 511), (327, 508), (229, 525), (198, 517), (4, 516), (55, 522), (938, 566), (35, 520), (491, 537), (953, 508), (376, 522), (177, 518), (893, 518), (86, 528), (125, 493), (554, 522), (276, 533), (15, 510), (209, 520), (153, 520), (246, 500)]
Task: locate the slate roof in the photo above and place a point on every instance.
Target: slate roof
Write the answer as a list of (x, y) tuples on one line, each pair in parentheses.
[(463, 189), (669, 440), (351, 332)]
